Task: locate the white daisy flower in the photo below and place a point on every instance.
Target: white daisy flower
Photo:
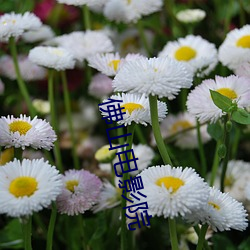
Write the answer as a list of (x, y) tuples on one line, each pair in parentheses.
[(26, 132), (191, 15), (14, 25), (136, 108), (85, 44), (173, 191), (42, 106), (221, 212), (42, 34), (200, 103), (29, 70), (89, 3), (156, 76), (109, 197), (129, 41), (197, 53), (236, 179), (235, 49), (130, 11), (174, 124), (110, 63), (51, 57), (28, 186), (145, 155)]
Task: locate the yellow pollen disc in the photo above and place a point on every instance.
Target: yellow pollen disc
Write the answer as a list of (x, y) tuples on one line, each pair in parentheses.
[(129, 1), (228, 182), (244, 42), (20, 126), (23, 186), (214, 205), (170, 182), (180, 125), (130, 107), (227, 92), (185, 53), (114, 64), (70, 185)]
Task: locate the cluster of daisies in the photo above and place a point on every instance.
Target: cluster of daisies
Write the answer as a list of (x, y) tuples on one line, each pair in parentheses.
[(28, 186)]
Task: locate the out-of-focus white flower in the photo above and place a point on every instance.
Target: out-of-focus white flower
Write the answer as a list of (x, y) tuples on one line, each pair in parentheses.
[(235, 49), (197, 53), (174, 124), (14, 25), (100, 86), (130, 11), (28, 69), (42, 106), (85, 44), (90, 3), (51, 57), (191, 15), (243, 69), (41, 34)]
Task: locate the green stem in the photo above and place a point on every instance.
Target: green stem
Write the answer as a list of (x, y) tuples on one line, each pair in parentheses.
[(242, 14), (66, 96), (173, 235), (226, 158), (124, 231), (203, 170), (86, 17), (156, 130), (50, 233), (205, 244), (202, 235), (236, 142), (18, 153), (215, 164), (21, 84), (27, 229), (54, 120), (140, 135), (143, 37)]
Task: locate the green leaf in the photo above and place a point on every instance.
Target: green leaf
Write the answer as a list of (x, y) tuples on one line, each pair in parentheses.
[(221, 101), (245, 244), (215, 130), (11, 236), (241, 116)]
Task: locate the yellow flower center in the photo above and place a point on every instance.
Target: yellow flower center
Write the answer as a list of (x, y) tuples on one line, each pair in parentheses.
[(227, 92), (70, 185), (129, 1), (20, 126), (180, 125), (13, 21), (6, 156), (244, 42), (185, 53), (229, 181), (114, 64), (214, 205), (130, 107), (170, 182), (23, 186)]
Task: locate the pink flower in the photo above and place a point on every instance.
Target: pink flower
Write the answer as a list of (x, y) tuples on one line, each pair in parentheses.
[(80, 192)]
